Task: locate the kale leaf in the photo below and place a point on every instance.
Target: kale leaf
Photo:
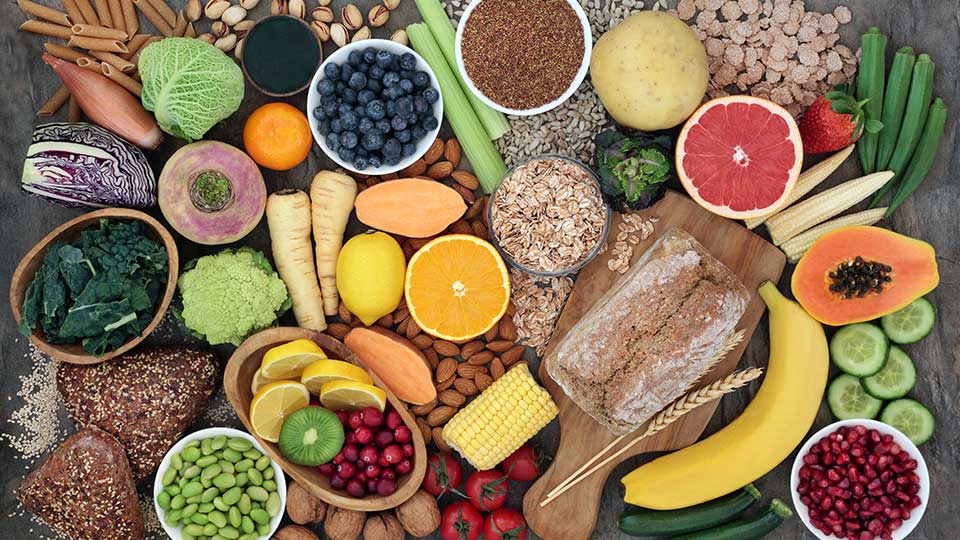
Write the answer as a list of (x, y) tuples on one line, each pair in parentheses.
[(634, 168)]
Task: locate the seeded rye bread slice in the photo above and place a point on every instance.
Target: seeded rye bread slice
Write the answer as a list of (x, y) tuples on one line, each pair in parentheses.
[(651, 335), (85, 489), (146, 399)]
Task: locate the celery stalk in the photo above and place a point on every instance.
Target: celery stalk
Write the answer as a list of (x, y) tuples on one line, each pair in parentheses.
[(483, 155), (494, 122)]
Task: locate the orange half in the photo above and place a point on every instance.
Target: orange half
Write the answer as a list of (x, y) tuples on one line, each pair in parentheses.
[(457, 287)]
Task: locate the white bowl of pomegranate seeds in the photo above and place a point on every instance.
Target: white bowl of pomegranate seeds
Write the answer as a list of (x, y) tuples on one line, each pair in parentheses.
[(860, 479)]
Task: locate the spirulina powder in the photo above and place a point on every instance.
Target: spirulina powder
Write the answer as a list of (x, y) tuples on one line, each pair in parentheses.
[(522, 54)]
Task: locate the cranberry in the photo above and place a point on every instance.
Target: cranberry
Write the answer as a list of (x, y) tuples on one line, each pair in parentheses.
[(408, 450), (356, 489), (372, 417), (405, 466), (355, 420), (338, 482), (386, 487), (327, 469), (392, 454), (372, 470), (346, 470), (369, 454), (338, 459), (350, 438), (344, 418), (360, 476), (388, 473), (350, 452), (362, 435), (372, 485), (383, 438), (394, 420), (402, 434)]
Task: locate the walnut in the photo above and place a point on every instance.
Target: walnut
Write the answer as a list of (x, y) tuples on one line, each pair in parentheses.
[(304, 507), (382, 527), (343, 524), (295, 532), (419, 515)]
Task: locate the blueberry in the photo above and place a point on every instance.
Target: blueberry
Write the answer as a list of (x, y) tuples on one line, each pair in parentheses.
[(393, 92), (348, 139), (364, 125), (346, 71), (391, 108), (375, 72), (339, 86), (372, 141), (324, 127), (409, 149), (392, 148), (344, 107), (363, 68), (365, 96), (403, 135), (326, 86), (328, 99), (349, 120), (335, 125), (330, 109), (332, 70), (431, 95), (398, 123), (362, 152), (406, 85), (319, 114), (384, 58), (383, 126), (375, 161), (408, 61), (420, 79), (418, 132), (405, 106), (358, 80), (360, 163), (376, 109), (391, 78), (420, 105), (430, 123), (333, 141), (369, 55), (374, 86), (412, 119), (346, 154), (355, 57)]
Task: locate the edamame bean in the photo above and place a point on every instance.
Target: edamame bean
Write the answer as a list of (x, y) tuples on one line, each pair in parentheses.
[(269, 485), (230, 533), (193, 500), (163, 500), (194, 529), (176, 461), (206, 461), (217, 537), (273, 504), (172, 490), (183, 482), (232, 496), (245, 504), (233, 516), (226, 466), (246, 524), (192, 489), (187, 536), (257, 493), (239, 444), (205, 508), (178, 502), (210, 529), (225, 481), (260, 516), (206, 482), (253, 454), (264, 529), (254, 476), (244, 465), (232, 455), (172, 518), (192, 444), (211, 471), (250, 536), (242, 479), (217, 518), (269, 473), (191, 471), (169, 476), (205, 447), (199, 519), (219, 442), (219, 504), (263, 463), (190, 454), (209, 495), (188, 511)]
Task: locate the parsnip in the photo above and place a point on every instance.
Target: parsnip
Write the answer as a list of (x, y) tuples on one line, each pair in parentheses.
[(332, 195), (288, 217)]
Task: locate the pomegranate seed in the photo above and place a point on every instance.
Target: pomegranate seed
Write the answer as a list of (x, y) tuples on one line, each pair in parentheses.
[(913, 489), (910, 464), (810, 459), (895, 449), (843, 459), (894, 524), (805, 500), (828, 459), (834, 491), (852, 526), (866, 535), (856, 451), (826, 503)]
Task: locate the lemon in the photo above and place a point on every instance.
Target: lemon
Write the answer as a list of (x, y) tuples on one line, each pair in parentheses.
[(287, 361), (321, 372), (259, 381), (370, 270), (272, 404), (350, 395)]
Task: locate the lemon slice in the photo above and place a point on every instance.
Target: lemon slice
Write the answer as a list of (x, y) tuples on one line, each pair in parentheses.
[(272, 404), (350, 395), (287, 361), (259, 381), (321, 372)]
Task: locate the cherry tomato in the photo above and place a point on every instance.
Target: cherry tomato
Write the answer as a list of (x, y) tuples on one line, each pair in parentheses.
[(524, 464), (460, 521), (505, 524), (487, 490), (444, 474)]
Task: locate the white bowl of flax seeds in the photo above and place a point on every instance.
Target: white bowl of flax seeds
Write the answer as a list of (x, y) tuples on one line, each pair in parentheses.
[(523, 58)]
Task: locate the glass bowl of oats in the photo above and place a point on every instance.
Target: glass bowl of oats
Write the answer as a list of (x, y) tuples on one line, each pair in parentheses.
[(547, 216)]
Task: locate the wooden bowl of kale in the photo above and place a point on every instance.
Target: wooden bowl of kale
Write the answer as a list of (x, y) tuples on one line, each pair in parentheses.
[(95, 286)]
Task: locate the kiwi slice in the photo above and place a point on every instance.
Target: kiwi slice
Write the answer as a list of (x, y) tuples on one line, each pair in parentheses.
[(311, 436)]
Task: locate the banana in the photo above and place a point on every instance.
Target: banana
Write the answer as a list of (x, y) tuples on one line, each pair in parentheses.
[(771, 426)]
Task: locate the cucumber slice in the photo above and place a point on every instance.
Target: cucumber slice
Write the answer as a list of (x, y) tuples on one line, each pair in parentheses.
[(912, 323), (859, 349), (895, 379), (910, 417), (847, 399)]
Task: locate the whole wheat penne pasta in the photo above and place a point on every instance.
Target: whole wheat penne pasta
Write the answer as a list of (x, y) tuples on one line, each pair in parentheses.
[(56, 101), (135, 58), (154, 17), (100, 32), (98, 44), (165, 11), (73, 10), (122, 79), (180, 29), (44, 12), (103, 12), (191, 31), (116, 15), (90, 63), (74, 113), (136, 43), (131, 22), (86, 9), (46, 29), (64, 53), (120, 63)]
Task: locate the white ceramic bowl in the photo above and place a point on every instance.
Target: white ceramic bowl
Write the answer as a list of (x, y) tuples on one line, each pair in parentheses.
[(340, 57), (177, 533), (915, 515), (577, 80)]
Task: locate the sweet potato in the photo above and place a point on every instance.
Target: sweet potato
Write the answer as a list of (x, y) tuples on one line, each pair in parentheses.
[(411, 207), (400, 365)]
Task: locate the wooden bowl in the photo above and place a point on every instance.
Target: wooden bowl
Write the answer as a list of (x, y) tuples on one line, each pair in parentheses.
[(68, 232), (236, 381)]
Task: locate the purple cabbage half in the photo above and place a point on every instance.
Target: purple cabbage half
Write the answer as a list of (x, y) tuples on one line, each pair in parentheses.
[(82, 165)]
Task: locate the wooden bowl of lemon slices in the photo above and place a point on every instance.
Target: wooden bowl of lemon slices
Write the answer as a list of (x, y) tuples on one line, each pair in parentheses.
[(281, 370)]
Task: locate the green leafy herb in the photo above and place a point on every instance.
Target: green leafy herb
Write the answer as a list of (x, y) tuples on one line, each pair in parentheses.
[(633, 168)]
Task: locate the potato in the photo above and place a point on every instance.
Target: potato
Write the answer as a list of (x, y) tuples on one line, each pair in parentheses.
[(650, 71)]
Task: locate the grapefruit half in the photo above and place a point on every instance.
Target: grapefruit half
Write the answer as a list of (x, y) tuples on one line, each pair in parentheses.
[(739, 156)]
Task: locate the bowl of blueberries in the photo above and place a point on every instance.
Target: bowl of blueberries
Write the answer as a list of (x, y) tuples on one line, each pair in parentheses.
[(374, 107)]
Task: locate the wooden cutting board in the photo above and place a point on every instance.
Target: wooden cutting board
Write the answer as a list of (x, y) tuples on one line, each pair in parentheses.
[(753, 259)]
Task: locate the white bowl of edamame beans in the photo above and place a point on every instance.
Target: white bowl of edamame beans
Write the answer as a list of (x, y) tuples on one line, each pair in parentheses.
[(219, 484)]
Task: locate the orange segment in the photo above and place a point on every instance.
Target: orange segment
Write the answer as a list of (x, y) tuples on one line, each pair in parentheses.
[(457, 287), (277, 136)]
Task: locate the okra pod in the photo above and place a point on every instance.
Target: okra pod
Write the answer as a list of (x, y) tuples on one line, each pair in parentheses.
[(870, 83), (894, 102), (923, 158)]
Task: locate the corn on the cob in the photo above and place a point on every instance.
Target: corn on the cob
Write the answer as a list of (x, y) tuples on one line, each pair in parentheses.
[(823, 206), (808, 180), (795, 247), (505, 416)]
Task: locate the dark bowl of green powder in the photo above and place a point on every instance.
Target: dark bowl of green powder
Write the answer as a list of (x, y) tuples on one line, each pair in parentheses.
[(280, 55)]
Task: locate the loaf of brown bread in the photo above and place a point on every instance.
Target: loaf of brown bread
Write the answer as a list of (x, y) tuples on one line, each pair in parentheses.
[(146, 399), (85, 489), (651, 335)]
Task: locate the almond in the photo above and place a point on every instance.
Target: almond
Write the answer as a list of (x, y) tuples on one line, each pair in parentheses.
[(479, 229), (440, 387), (468, 370), (451, 151), (446, 348), (510, 357), (413, 329), (476, 208), (500, 345), (483, 381), (492, 333), (344, 313), (432, 358), (416, 168), (422, 341), (390, 176), (387, 321), (440, 170), (471, 349), (466, 179), (508, 330), (424, 429), (481, 358), (446, 369), (418, 243), (461, 227), (440, 441), (423, 410), (496, 369), (401, 312), (511, 309), (441, 415), (467, 194), (452, 397), (434, 153), (408, 250), (356, 323), (466, 386), (402, 327), (338, 330)]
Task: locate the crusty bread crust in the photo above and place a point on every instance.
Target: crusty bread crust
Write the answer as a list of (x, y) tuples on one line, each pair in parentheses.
[(651, 335)]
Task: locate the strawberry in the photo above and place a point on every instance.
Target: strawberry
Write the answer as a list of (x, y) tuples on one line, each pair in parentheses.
[(834, 121)]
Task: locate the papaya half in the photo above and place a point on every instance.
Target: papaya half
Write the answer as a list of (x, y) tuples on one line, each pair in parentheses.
[(857, 274)]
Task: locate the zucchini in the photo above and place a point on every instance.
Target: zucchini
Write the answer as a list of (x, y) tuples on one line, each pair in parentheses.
[(647, 522), (870, 82), (894, 101), (923, 158), (745, 529)]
